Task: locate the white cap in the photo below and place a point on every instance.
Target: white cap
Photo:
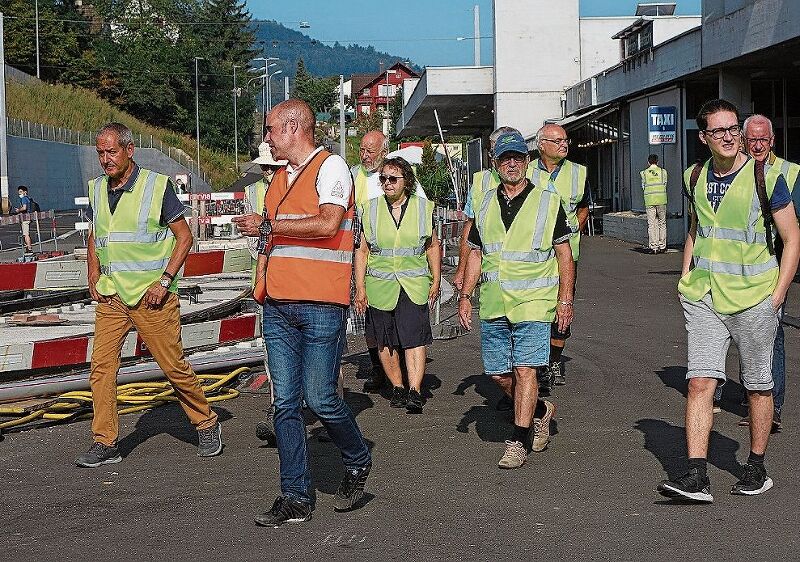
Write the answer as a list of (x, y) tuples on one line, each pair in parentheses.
[(265, 157)]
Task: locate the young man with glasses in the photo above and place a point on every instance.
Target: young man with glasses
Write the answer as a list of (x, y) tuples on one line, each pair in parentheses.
[(759, 140), (568, 179), (731, 290)]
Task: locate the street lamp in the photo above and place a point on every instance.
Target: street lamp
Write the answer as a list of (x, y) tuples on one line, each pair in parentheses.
[(265, 76), (197, 110), (269, 89)]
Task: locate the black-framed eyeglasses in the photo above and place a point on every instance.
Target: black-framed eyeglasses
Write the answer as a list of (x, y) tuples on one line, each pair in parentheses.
[(391, 179), (559, 142), (720, 132)]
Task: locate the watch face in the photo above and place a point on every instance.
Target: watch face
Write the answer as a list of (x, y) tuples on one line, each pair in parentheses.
[(166, 283)]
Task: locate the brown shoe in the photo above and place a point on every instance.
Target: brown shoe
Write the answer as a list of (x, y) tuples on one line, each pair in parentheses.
[(514, 455), (541, 428)]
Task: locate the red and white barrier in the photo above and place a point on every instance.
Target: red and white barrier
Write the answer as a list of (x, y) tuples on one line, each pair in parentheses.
[(71, 351)]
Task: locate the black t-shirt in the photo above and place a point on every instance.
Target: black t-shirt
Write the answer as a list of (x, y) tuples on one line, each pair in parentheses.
[(509, 210)]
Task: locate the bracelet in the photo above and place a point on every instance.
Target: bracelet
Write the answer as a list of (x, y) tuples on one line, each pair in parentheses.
[(169, 275), (565, 303)]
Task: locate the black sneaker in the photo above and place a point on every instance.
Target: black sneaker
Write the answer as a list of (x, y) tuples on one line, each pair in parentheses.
[(351, 490), (505, 404), (776, 422), (98, 454), (399, 397), (754, 481), (691, 486), (557, 373), (376, 381), (414, 402), (284, 510), (545, 378), (209, 441), (265, 429)]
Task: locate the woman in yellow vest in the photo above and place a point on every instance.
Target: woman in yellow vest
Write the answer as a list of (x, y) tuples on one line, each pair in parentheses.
[(398, 270)]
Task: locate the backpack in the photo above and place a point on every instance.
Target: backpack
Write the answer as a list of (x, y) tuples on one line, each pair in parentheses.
[(34, 206), (761, 190)]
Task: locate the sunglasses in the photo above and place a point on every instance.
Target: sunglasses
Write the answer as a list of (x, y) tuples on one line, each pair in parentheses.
[(391, 179)]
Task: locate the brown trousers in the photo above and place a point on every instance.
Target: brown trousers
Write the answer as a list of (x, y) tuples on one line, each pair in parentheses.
[(160, 330)]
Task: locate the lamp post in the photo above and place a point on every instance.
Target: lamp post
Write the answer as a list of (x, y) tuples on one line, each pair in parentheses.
[(264, 92), (269, 89), (197, 110), (235, 122)]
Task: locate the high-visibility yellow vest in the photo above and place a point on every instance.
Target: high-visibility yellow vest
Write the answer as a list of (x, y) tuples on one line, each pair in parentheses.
[(654, 184), (730, 256), (519, 270), (570, 184), (397, 256), (789, 170), (132, 246), (255, 197), (360, 184), (489, 179)]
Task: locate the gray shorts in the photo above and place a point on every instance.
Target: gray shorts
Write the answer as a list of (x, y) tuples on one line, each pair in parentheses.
[(710, 334)]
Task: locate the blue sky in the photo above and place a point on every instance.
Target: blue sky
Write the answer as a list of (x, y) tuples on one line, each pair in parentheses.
[(423, 30)]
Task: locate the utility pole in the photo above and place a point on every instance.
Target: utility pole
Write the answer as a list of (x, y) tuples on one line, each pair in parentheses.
[(197, 110), (235, 123), (476, 16), (342, 132), (286, 87), (38, 73), (3, 132)]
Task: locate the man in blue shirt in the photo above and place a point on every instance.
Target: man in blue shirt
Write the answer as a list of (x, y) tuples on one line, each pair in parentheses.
[(25, 207)]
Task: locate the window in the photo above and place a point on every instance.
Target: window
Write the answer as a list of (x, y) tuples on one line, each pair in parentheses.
[(365, 109), (385, 90), (365, 92)]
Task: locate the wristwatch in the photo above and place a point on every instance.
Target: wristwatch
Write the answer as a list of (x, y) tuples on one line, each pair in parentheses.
[(165, 282), (265, 228)]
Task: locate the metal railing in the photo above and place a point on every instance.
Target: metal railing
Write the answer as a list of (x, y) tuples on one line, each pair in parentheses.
[(39, 131)]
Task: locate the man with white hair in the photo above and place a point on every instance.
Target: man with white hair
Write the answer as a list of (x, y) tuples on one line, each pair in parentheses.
[(759, 139), (568, 179)]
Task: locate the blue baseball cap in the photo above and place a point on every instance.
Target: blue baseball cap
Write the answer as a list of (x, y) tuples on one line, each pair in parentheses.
[(510, 142)]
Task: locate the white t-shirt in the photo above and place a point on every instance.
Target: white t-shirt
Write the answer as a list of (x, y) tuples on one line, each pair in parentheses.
[(334, 182), (374, 188)]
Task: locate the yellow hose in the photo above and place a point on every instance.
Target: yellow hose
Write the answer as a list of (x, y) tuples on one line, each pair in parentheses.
[(132, 397)]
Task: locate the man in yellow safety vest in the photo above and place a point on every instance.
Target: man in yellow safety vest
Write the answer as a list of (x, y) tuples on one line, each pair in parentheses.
[(732, 290), (654, 185)]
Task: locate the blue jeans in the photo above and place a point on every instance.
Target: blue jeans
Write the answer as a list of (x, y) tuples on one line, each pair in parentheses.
[(505, 345), (779, 366), (304, 344)]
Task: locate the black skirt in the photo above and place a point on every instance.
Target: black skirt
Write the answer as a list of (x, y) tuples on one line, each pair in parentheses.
[(405, 327)]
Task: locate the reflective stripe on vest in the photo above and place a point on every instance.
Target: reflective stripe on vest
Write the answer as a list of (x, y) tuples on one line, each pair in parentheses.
[(570, 184), (132, 246), (730, 256), (397, 258), (519, 270)]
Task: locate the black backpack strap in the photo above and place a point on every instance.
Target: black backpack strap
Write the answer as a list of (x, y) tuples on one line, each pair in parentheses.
[(695, 175), (766, 209)]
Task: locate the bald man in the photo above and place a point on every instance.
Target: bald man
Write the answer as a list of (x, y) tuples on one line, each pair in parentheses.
[(372, 152), (568, 179), (306, 232)]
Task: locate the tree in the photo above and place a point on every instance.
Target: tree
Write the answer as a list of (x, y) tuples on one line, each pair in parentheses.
[(433, 175), (395, 111), (319, 93)]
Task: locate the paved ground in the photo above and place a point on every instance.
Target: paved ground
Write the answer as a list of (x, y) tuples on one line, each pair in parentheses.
[(437, 492)]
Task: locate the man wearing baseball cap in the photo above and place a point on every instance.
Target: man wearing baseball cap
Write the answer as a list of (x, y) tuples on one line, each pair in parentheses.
[(522, 256)]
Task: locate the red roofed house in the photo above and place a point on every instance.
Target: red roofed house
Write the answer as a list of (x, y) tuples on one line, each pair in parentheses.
[(381, 89)]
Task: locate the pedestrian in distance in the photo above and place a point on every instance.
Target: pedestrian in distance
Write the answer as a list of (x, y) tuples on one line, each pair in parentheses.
[(306, 244), (759, 139), (25, 206), (137, 244), (731, 290), (372, 152), (398, 274), (654, 186), (568, 179), (522, 256)]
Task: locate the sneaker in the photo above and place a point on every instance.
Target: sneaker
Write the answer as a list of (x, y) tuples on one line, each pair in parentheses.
[(776, 422), (98, 454), (557, 373), (541, 428), (505, 404), (514, 455), (399, 397), (265, 429), (691, 486), (209, 441), (414, 402), (351, 490), (545, 378), (376, 381), (284, 510), (754, 481)]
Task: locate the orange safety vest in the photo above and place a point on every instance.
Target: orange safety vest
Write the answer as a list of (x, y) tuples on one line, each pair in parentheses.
[(304, 269)]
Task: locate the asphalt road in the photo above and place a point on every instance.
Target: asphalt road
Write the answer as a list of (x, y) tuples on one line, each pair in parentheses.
[(436, 492)]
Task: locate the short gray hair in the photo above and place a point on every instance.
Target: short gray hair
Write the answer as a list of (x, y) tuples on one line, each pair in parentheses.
[(758, 118), (123, 133), (500, 131)]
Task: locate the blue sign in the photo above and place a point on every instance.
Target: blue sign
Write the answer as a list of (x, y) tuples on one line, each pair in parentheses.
[(661, 128)]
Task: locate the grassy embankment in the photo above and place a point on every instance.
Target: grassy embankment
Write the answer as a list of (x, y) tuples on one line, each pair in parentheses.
[(81, 110)]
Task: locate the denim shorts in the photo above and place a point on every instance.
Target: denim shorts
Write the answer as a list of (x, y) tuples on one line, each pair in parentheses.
[(505, 345)]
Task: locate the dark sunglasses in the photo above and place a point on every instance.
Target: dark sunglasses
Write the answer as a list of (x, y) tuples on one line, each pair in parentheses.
[(391, 179)]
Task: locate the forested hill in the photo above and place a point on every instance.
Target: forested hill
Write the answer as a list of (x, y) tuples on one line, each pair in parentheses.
[(321, 59)]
